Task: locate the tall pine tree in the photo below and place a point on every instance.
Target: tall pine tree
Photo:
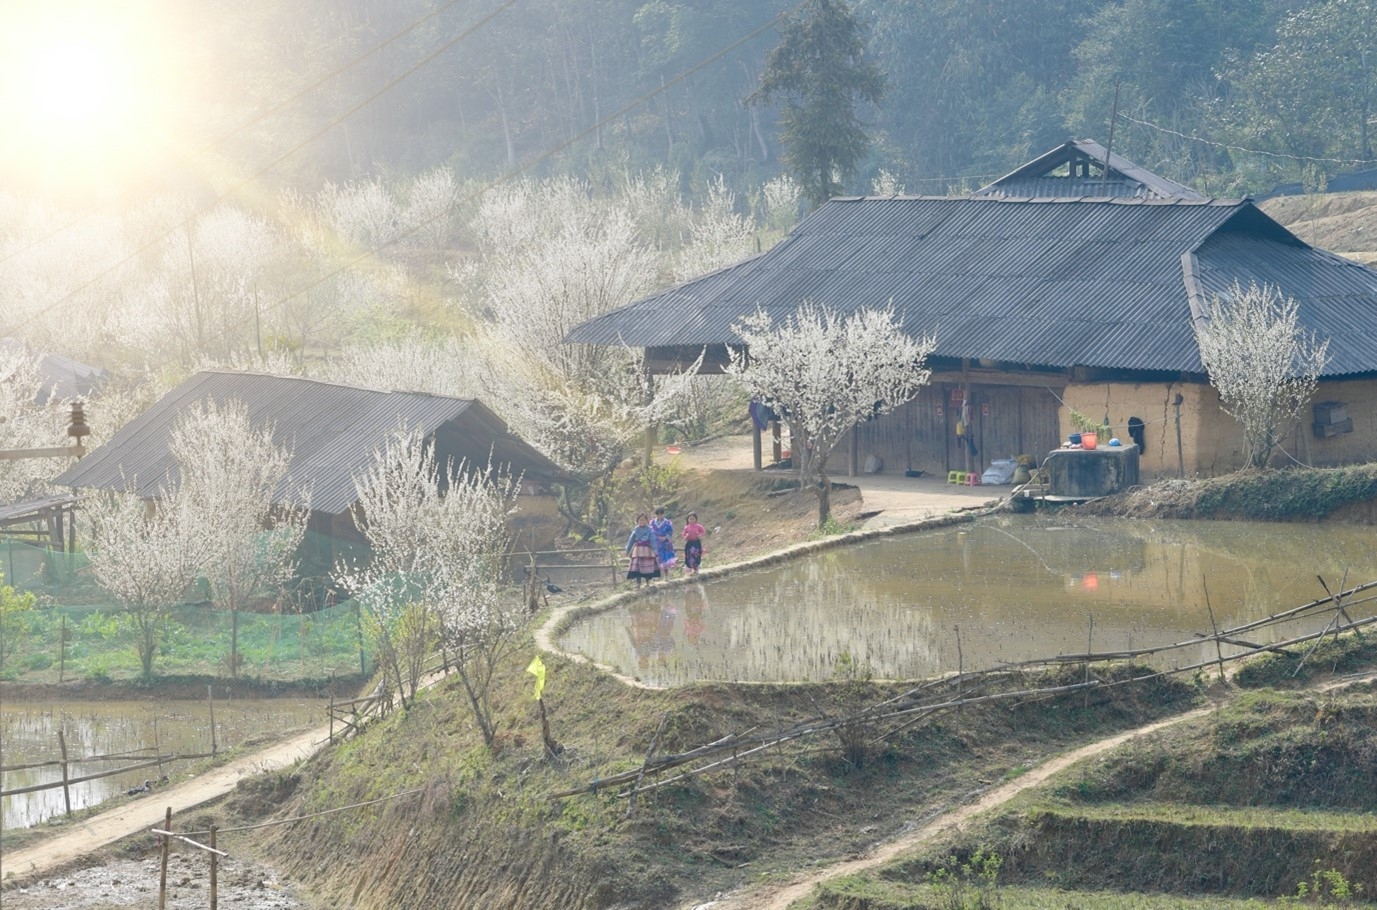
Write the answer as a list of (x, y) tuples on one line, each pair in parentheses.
[(818, 72)]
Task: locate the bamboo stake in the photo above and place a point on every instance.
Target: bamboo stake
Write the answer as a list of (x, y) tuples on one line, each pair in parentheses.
[(66, 790), (650, 750), (214, 869), (167, 844), (210, 699), (1218, 651)]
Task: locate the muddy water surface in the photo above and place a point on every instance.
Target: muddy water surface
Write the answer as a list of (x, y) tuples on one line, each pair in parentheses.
[(129, 730), (1006, 589)]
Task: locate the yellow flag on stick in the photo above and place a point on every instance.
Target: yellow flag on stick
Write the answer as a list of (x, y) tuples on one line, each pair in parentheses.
[(537, 669)]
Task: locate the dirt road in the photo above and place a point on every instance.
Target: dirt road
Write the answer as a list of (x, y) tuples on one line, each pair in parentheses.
[(775, 896), (150, 811), (780, 896)]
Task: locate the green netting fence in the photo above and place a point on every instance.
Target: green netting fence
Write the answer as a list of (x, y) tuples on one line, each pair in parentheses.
[(79, 633)]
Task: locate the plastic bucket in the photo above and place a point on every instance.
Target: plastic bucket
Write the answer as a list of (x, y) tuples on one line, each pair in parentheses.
[(1089, 440)]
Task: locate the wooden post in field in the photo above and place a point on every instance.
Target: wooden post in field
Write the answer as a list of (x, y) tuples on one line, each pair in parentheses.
[(66, 792), (162, 878), (214, 870), (960, 667), (1089, 649), (210, 698), (157, 750)]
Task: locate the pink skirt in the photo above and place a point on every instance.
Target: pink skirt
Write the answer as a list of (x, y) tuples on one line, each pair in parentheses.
[(643, 563)]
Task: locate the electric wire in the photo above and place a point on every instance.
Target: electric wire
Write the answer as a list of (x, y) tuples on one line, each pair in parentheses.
[(506, 176), (1237, 148)]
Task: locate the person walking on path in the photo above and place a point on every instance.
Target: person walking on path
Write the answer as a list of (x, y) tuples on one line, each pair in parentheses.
[(693, 543), (663, 529), (640, 547)]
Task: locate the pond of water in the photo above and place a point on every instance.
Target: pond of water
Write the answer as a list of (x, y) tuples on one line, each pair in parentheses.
[(130, 729), (1005, 589)]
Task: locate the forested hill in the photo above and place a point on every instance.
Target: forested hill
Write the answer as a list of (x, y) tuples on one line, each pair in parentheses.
[(975, 86)]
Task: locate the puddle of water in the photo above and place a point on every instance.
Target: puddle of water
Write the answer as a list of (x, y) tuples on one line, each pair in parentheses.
[(28, 734), (1007, 589)]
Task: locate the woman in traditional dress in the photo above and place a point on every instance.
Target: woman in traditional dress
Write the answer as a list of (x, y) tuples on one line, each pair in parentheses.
[(663, 529), (693, 543), (640, 547)]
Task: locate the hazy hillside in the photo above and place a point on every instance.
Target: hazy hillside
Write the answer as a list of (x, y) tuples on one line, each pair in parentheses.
[(1339, 222)]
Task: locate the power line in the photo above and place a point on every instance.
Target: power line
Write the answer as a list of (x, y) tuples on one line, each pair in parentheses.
[(504, 177), (533, 162), (1237, 148)]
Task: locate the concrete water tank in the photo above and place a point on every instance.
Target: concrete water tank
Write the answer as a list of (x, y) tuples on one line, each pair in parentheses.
[(1088, 473)]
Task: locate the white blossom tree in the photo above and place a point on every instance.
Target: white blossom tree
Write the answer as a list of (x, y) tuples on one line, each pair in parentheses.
[(439, 537), (1262, 363), (146, 556), (230, 472), (824, 372), (553, 256), (438, 364), (25, 423)]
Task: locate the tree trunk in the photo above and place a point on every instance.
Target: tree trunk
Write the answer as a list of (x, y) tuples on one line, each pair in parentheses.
[(823, 489), (234, 643)]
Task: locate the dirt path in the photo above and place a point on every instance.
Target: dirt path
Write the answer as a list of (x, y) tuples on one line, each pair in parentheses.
[(780, 896), (776, 896), (150, 812)]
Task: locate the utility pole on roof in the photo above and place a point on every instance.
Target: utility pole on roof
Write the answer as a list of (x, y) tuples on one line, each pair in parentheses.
[(1109, 148)]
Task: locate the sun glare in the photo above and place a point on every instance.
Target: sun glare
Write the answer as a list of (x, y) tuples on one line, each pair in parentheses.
[(85, 94)]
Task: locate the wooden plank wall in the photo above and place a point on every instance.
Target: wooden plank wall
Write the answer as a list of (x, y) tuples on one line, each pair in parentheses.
[(1006, 421)]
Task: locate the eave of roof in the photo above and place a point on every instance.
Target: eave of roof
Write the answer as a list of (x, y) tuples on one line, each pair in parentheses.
[(333, 431)]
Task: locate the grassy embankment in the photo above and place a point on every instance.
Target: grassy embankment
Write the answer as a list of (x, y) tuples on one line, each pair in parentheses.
[(1271, 797)]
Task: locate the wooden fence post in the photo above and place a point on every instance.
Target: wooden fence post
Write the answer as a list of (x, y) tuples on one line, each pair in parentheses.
[(162, 878), (214, 870), (66, 791), (210, 699)]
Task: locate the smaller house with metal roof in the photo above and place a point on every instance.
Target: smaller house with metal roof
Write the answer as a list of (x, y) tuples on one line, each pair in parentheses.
[(1072, 284), (333, 431)]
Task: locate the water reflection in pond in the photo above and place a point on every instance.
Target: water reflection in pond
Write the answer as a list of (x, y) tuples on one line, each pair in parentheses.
[(28, 735), (1003, 590)]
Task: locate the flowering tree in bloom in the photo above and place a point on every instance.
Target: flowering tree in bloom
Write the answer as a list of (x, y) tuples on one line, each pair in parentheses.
[(418, 361), (230, 472), (824, 373), (439, 539), (553, 256), (1265, 367), (26, 424), (146, 557)]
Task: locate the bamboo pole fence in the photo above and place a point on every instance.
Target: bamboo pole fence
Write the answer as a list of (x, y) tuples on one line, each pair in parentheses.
[(957, 690)]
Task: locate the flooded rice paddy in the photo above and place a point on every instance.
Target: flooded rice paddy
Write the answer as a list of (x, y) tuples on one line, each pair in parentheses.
[(1006, 589), (130, 730)]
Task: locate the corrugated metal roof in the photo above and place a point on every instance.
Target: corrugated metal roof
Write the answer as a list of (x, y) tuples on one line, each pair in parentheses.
[(1118, 177), (333, 431), (1053, 283)]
